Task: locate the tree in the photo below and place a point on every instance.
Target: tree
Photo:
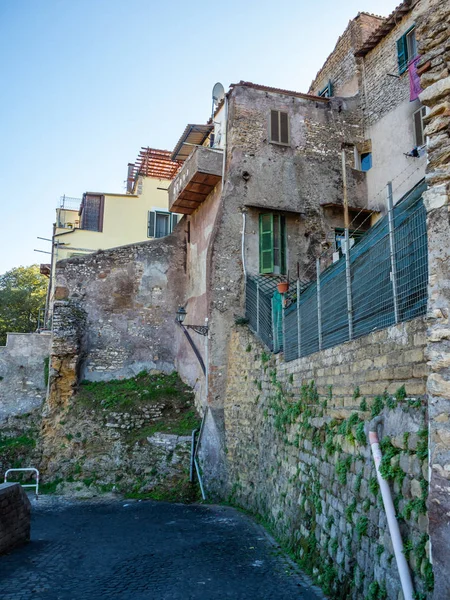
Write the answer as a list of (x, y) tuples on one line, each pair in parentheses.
[(22, 294)]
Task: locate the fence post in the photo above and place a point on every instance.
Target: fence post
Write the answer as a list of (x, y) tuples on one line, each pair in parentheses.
[(299, 336), (390, 206), (283, 322), (319, 306), (257, 307), (348, 280)]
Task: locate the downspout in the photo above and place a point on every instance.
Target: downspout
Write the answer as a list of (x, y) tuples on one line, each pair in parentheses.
[(244, 216), (225, 108), (394, 530)]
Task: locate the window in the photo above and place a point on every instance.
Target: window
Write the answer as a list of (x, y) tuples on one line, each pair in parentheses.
[(160, 223), (279, 127), (327, 91), (92, 212), (339, 238), (418, 117), (272, 244), (406, 49), (366, 161)]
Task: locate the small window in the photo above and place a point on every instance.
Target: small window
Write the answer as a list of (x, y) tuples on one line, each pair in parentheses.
[(419, 126), (272, 244), (339, 238), (366, 161), (160, 224), (327, 91), (279, 127), (406, 49)]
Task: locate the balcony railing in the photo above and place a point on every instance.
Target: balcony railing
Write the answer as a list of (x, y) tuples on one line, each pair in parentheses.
[(196, 179)]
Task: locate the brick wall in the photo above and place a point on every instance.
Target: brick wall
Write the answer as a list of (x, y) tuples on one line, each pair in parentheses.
[(297, 454), (15, 513)]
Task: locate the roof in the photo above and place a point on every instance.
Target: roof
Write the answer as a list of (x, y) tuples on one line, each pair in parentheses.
[(387, 26), (155, 163), (266, 88), (193, 135)]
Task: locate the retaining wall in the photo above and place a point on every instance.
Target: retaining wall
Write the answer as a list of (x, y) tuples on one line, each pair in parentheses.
[(15, 514)]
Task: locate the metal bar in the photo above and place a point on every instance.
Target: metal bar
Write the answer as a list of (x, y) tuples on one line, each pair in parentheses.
[(348, 281), (200, 481), (191, 466), (283, 321), (35, 471), (257, 307), (392, 248), (193, 346), (299, 336), (319, 306)]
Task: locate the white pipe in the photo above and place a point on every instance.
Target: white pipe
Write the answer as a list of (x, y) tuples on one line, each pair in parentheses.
[(225, 125), (402, 564), (243, 246)]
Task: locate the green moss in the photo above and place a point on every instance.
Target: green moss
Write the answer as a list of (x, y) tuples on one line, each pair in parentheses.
[(377, 406), (50, 486), (360, 434), (373, 485), (342, 468), (422, 444), (22, 441), (249, 348), (350, 511), (363, 405), (361, 526), (358, 480)]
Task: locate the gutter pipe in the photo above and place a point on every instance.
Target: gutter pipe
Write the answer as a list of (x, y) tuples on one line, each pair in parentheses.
[(394, 530)]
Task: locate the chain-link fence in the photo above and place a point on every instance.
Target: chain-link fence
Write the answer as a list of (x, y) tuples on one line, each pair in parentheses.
[(381, 281)]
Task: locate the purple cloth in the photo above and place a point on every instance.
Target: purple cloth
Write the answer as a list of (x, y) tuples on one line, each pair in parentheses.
[(414, 80)]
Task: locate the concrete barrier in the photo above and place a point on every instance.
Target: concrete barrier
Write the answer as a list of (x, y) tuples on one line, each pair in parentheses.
[(15, 514)]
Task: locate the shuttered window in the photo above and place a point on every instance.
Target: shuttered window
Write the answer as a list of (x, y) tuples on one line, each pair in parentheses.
[(327, 91), (279, 127), (406, 49), (160, 223), (272, 244)]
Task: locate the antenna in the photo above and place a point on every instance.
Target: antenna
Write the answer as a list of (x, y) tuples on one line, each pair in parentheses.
[(218, 94)]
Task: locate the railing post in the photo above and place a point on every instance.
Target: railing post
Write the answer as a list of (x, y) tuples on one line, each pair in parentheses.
[(257, 308), (283, 321), (390, 206), (348, 280), (299, 333), (319, 306)]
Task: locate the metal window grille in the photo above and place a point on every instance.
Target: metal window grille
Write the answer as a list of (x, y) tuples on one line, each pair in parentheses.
[(388, 284)]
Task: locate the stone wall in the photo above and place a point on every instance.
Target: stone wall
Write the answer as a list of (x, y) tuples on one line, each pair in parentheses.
[(434, 47), (15, 514), (341, 67), (130, 295), (22, 372), (297, 454)]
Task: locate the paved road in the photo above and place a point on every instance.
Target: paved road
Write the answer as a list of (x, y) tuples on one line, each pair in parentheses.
[(145, 551)]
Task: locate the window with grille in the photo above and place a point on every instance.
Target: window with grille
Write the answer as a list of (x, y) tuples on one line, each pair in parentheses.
[(272, 244), (419, 126), (92, 212), (279, 127), (160, 223)]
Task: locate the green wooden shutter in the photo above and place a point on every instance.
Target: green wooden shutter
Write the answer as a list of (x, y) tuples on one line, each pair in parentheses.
[(283, 245), (266, 243), (284, 128), (151, 224), (274, 126), (173, 221), (402, 54)]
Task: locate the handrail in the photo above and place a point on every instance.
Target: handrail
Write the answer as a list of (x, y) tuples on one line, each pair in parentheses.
[(25, 485)]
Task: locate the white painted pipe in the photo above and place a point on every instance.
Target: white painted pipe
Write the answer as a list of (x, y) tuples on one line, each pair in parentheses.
[(402, 564), (243, 247)]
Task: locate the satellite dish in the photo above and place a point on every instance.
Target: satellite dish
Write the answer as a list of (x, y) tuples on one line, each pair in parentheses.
[(218, 94)]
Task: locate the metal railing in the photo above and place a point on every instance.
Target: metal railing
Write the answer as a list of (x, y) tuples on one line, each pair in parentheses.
[(25, 485), (379, 282)]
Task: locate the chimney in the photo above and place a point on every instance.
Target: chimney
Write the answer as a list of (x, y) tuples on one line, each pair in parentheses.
[(130, 178)]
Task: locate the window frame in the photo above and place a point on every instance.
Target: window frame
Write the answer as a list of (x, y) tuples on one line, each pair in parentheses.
[(403, 58), (423, 110), (172, 222), (327, 91), (273, 269), (278, 142)]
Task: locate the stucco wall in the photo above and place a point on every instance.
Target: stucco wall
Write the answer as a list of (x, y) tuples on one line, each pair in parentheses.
[(22, 383), (125, 220), (297, 454)]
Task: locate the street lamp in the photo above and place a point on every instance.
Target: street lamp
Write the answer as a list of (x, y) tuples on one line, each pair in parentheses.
[(200, 329)]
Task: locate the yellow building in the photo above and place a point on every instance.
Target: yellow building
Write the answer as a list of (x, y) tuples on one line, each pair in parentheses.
[(103, 220)]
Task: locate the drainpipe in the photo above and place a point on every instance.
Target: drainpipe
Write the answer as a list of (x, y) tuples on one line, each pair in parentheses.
[(225, 126), (243, 247), (402, 564)]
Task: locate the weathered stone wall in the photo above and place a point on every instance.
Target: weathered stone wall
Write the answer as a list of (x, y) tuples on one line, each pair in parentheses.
[(299, 179), (130, 295), (342, 67), (297, 454), (22, 369), (15, 514), (434, 47)]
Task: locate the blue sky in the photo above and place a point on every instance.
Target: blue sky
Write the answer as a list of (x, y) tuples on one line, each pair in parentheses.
[(86, 83)]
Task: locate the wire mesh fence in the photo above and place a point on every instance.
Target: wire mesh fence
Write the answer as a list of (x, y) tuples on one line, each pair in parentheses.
[(381, 281)]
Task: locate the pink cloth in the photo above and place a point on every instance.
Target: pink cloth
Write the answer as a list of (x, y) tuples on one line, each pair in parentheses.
[(414, 79)]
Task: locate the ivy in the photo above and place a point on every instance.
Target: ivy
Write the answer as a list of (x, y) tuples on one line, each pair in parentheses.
[(342, 468)]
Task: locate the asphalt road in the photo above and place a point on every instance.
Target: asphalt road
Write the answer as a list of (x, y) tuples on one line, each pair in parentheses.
[(147, 550)]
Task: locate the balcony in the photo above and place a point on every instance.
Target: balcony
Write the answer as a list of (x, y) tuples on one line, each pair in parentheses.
[(196, 179)]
